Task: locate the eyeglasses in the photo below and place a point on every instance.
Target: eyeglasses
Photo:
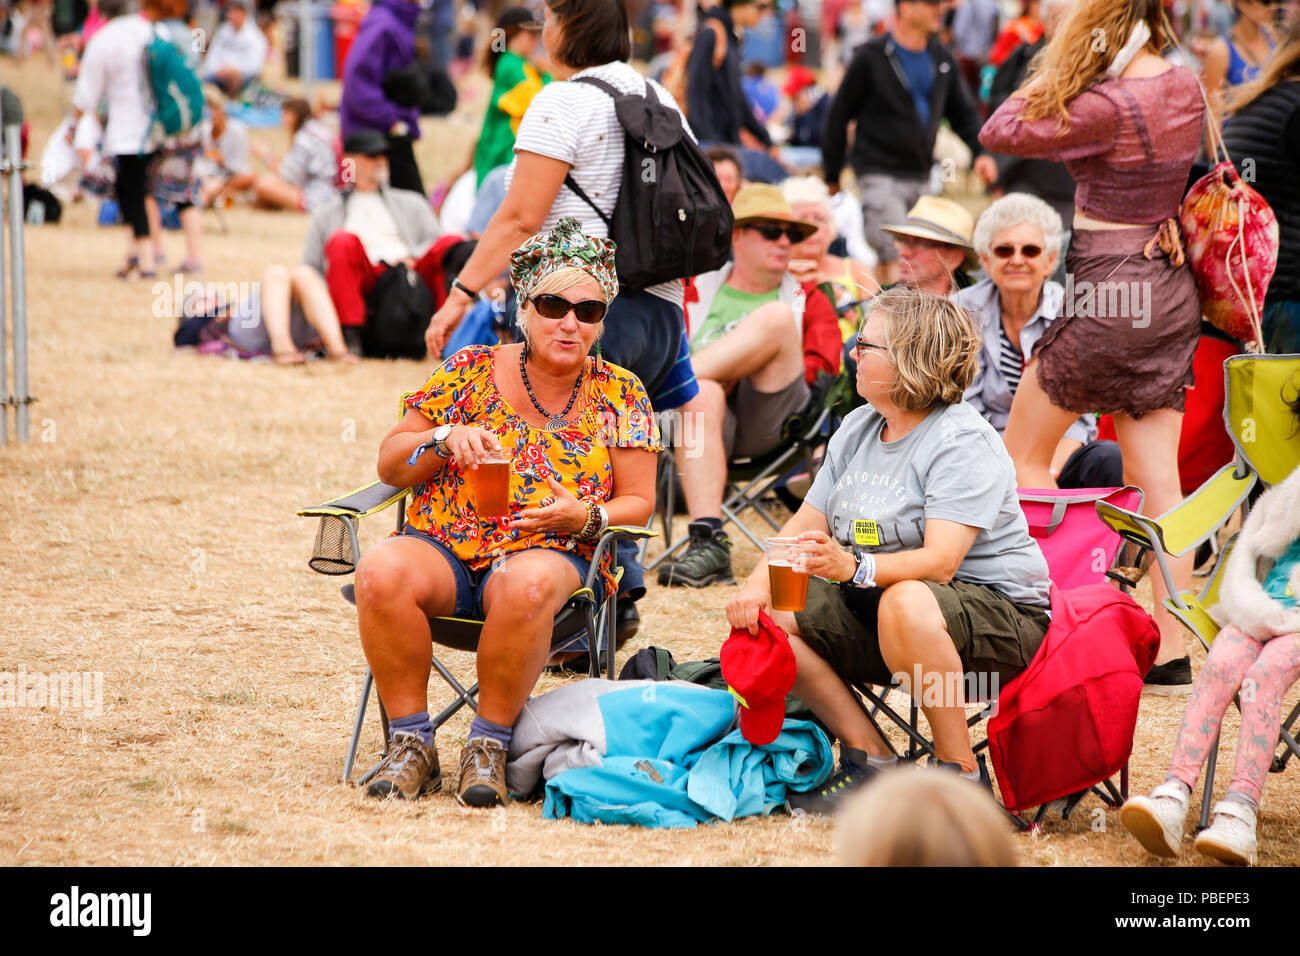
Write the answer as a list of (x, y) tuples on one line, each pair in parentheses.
[(859, 345), (588, 311), (772, 232), (1007, 250)]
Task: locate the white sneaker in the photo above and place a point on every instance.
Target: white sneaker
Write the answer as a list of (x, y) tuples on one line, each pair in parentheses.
[(1157, 820), (1231, 837)]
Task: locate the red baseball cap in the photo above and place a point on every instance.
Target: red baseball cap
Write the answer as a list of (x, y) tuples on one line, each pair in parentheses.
[(759, 671)]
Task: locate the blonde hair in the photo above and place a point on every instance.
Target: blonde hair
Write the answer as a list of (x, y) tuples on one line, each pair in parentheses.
[(553, 283), (932, 344), (806, 189), (1082, 49), (923, 817)]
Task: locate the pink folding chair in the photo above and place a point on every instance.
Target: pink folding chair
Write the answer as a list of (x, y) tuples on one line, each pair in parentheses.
[(1078, 546)]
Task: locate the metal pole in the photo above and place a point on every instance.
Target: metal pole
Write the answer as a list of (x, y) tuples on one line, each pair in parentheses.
[(17, 272), (306, 48), (4, 352)]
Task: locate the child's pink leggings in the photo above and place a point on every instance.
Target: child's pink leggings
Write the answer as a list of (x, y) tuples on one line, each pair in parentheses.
[(1263, 671)]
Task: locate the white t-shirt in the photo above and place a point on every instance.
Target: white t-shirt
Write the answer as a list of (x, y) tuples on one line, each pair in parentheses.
[(575, 123), (244, 50), (370, 221), (113, 68)]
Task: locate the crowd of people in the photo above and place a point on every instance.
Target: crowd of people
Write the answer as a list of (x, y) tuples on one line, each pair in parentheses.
[(976, 370)]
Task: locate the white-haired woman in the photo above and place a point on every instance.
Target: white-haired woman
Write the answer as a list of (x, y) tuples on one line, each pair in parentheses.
[(1018, 239), (812, 261)]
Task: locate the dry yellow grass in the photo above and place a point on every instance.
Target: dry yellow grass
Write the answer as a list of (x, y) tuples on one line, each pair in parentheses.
[(149, 534)]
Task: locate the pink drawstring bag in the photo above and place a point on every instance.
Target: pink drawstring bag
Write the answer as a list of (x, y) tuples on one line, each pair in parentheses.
[(1230, 235)]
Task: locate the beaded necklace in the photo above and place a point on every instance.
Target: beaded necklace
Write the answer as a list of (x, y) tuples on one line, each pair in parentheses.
[(554, 423)]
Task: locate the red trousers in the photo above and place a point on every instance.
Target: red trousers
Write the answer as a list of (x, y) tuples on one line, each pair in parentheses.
[(350, 275)]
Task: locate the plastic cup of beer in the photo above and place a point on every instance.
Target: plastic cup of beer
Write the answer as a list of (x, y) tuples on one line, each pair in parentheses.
[(490, 483), (787, 570)]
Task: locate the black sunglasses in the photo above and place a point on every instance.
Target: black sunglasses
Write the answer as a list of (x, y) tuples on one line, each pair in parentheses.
[(588, 311), (1007, 250), (772, 232)]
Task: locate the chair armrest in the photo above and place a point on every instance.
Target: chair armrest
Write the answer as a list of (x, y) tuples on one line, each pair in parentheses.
[(360, 503), (609, 537), (1192, 521)]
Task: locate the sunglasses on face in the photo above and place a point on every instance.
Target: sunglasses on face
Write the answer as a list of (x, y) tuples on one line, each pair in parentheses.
[(588, 311), (773, 233), (1007, 250), (860, 345)]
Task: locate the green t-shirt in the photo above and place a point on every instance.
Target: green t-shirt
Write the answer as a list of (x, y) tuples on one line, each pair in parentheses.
[(514, 84), (728, 309), (1277, 583)]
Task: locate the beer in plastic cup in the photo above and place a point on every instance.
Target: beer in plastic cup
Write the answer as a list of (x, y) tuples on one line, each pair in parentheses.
[(490, 484), (788, 573)]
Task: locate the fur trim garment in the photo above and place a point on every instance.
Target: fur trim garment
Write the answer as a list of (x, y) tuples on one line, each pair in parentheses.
[(1270, 528)]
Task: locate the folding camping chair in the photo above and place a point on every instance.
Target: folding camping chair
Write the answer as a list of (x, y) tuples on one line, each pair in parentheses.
[(337, 551), (1257, 388), (1079, 550), (749, 480)]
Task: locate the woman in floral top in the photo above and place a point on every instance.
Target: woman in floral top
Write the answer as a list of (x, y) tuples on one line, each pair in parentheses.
[(585, 446)]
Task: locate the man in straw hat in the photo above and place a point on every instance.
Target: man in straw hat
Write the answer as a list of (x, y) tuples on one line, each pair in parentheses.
[(749, 330), (934, 246)]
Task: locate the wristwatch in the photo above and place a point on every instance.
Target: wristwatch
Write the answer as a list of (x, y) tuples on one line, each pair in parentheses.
[(440, 436), (865, 575)]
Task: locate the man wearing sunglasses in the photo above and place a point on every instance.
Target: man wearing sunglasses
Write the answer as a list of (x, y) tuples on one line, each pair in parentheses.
[(899, 87), (758, 339)]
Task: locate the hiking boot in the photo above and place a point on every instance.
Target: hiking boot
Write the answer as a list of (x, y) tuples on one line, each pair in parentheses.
[(409, 770), (982, 769), (1171, 679), (706, 560), (1231, 837), (854, 771), (482, 773), (1157, 821)]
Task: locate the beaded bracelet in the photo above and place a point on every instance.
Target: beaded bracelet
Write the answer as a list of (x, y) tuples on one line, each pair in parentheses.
[(590, 528)]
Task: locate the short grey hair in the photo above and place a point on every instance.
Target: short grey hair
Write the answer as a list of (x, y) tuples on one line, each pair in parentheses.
[(1012, 210), (807, 189)]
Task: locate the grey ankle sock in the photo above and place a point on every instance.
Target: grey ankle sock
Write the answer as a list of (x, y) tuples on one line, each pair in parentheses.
[(418, 724), (485, 728), (715, 524), (881, 763), (1236, 796)]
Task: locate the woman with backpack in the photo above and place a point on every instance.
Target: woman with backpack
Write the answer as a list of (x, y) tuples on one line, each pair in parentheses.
[(172, 176), (113, 69), (1264, 132), (1128, 126), (1257, 654)]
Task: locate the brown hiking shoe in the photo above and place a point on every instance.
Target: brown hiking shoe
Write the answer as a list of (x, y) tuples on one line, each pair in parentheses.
[(410, 769), (482, 773)]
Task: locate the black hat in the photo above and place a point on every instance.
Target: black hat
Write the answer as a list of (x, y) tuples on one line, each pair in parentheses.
[(366, 142), (520, 17)]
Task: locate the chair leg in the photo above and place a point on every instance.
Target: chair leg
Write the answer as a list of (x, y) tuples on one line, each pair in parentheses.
[(351, 757), (463, 695), (1208, 792), (1288, 742)]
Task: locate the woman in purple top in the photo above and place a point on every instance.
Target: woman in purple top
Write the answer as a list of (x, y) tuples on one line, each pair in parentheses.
[(1127, 125), (385, 42)]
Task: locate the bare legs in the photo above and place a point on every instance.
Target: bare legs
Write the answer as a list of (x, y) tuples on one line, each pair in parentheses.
[(279, 287), (404, 581), (764, 348), (913, 639), (1150, 449)]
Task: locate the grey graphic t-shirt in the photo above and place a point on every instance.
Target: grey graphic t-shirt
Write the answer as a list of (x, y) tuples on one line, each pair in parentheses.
[(877, 495)]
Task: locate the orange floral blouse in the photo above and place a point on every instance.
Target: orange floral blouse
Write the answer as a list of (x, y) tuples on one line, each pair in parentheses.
[(615, 413)]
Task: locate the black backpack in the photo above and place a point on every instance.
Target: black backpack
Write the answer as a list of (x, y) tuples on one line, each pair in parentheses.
[(672, 219), (398, 310)]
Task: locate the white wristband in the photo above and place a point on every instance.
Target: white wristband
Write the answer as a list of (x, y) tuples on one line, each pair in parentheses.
[(865, 576)]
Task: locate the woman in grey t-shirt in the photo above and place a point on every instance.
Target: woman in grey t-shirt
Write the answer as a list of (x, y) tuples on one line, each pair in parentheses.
[(915, 512)]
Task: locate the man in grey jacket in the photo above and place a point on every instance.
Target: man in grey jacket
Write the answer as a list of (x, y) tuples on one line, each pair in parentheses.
[(368, 229)]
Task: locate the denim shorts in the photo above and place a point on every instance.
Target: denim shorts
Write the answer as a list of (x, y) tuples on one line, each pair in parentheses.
[(470, 584)]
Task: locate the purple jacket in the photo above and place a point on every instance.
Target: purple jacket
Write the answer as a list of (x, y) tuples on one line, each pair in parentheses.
[(385, 41)]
